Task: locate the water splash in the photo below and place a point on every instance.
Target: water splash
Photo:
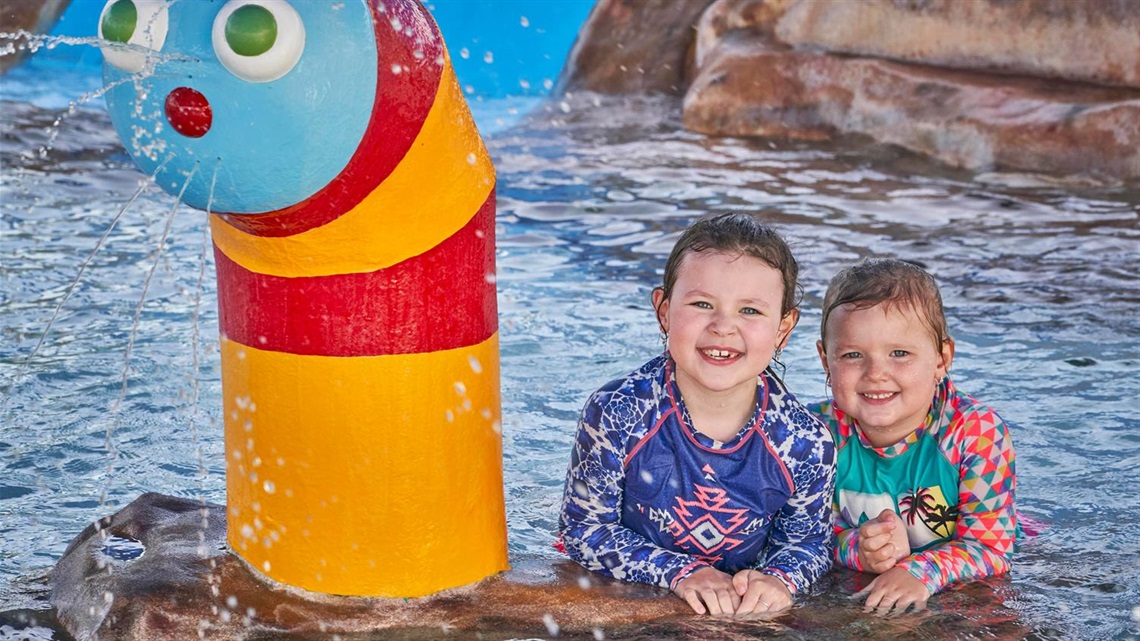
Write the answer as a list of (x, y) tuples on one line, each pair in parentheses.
[(109, 442)]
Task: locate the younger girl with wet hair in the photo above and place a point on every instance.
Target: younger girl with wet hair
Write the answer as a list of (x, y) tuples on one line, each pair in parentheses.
[(925, 486), (699, 471)]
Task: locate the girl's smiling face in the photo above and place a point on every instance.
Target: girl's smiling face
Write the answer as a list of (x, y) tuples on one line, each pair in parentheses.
[(724, 322), (883, 367)]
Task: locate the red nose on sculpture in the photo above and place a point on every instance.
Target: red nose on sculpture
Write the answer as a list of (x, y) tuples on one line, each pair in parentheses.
[(189, 112)]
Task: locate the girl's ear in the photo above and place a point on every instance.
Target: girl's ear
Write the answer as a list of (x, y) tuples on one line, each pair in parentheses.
[(946, 357), (661, 307), (823, 357), (787, 324)]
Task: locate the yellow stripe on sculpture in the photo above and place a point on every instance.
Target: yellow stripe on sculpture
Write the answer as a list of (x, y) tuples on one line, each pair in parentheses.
[(444, 178), (309, 459)]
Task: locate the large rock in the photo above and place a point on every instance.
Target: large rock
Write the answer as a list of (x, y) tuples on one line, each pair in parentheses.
[(1085, 41), (187, 585), (32, 17), (970, 120), (1046, 86), (633, 46)]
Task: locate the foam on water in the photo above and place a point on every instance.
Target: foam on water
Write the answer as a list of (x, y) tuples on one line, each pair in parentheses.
[(1040, 283)]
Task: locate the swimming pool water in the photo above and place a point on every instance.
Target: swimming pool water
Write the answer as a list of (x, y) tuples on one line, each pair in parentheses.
[(1039, 278)]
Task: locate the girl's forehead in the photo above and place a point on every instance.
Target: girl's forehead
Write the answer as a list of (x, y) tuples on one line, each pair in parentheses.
[(712, 259), (897, 317)]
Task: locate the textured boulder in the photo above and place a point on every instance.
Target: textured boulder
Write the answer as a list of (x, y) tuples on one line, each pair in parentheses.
[(1025, 85), (159, 570), (30, 16)]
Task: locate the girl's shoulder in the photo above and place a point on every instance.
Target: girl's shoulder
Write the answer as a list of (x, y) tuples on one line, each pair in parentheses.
[(834, 419), (970, 424), (786, 416), (626, 399)]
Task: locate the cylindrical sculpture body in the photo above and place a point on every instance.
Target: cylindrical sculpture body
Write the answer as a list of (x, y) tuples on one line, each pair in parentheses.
[(353, 207)]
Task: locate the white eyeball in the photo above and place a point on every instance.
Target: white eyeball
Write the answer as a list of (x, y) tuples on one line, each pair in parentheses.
[(258, 40), (132, 22)]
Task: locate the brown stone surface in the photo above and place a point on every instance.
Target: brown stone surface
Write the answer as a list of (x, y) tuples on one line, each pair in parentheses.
[(1041, 86), (976, 121), (1095, 41), (633, 46), (186, 585), (33, 16)]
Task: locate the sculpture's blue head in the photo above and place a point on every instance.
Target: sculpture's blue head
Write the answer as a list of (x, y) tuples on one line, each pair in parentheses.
[(262, 102)]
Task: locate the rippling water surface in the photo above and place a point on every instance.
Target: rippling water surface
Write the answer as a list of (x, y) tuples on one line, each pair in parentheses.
[(1040, 281)]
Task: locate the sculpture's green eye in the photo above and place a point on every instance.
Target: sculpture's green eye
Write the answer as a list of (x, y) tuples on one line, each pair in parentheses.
[(120, 20), (139, 23), (251, 30), (258, 40)]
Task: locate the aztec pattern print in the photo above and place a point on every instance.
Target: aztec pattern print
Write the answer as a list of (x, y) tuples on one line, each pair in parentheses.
[(651, 500), (975, 441)]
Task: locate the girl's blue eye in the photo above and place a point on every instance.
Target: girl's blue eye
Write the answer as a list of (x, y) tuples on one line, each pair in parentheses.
[(850, 355), (749, 311), (702, 304), (899, 353)]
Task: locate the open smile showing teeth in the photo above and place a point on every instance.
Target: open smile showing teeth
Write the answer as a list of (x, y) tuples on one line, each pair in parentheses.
[(879, 397), (719, 354)]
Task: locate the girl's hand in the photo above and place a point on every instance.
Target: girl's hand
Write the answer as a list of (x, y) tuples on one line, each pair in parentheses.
[(896, 589), (709, 590), (760, 593), (883, 542)]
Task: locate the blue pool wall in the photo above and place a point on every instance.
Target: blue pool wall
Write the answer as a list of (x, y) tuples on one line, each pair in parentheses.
[(527, 42)]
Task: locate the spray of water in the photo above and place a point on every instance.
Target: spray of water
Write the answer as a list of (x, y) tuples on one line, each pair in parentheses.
[(112, 451)]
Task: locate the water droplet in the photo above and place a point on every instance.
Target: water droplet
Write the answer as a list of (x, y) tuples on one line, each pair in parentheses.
[(551, 624), (464, 53), (247, 531), (488, 57), (599, 634), (231, 602), (476, 366), (471, 158), (524, 84), (584, 582), (396, 68), (269, 486), (524, 22), (564, 107), (460, 388), (265, 566)]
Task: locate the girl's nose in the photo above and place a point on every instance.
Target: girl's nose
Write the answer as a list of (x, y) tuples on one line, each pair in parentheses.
[(721, 324), (876, 369)]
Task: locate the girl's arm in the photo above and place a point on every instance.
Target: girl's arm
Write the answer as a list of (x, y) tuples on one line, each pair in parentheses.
[(800, 545), (986, 527), (591, 509), (846, 542)]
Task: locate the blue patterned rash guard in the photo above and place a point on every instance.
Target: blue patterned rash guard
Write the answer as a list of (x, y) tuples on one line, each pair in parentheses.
[(650, 499)]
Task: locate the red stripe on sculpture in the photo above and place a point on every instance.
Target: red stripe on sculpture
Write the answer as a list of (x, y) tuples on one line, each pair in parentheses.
[(441, 299), (403, 101)]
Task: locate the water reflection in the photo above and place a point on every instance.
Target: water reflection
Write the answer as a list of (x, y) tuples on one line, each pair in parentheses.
[(1040, 283)]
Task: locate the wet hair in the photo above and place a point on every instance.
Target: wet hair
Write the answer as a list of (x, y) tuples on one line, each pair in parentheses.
[(742, 234), (889, 281)]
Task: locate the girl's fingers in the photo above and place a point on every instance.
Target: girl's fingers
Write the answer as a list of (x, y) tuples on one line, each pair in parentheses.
[(694, 601)]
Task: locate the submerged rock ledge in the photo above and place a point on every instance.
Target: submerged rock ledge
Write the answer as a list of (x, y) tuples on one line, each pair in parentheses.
[(1045, 86), (187, 585)]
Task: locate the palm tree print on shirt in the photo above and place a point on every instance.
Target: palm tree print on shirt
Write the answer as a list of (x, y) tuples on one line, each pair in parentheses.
[(929, 506)]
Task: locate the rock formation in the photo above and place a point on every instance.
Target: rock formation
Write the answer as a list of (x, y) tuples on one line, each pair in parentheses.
[(1017, 85), (160, 570), (29, 16)]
